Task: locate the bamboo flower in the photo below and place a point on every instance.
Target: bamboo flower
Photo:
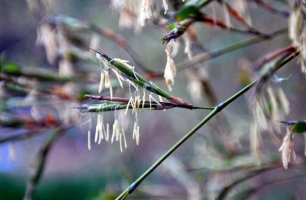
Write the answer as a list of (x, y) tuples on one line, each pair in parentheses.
[(170, 70)]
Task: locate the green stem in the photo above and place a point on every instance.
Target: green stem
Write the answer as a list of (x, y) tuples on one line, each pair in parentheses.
[(134, 185), (217, 109)]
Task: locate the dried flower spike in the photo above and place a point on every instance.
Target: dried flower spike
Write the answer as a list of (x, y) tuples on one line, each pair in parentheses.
[(145, 11), (170, 70), (287, 149)]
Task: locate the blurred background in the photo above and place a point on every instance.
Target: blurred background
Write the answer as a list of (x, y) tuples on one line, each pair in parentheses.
[(39, 91)]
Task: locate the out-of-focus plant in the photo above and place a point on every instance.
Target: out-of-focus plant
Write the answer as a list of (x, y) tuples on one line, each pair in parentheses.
[(65, 43)]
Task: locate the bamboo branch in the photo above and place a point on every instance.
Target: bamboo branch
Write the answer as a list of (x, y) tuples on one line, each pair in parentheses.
[(216, 110)]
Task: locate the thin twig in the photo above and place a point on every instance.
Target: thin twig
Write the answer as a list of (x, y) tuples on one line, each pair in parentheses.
[(216, 53), (223, 193), (112, 104), (270, 8), (41, 163)]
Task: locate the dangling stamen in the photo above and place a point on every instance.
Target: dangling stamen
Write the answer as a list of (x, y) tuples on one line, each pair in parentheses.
[(124, 139), (101, 82), (144, 98), (88, 140), (128, 105)]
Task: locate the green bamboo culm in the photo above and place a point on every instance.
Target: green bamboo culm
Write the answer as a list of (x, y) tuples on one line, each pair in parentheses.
[(216, 110)]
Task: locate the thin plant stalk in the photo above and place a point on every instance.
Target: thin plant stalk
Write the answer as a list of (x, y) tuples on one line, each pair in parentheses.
[(216, 53), (216, 110), (41, 163)]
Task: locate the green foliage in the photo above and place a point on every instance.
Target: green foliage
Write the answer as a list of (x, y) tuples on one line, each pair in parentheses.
[(299, 127), (9, 67)]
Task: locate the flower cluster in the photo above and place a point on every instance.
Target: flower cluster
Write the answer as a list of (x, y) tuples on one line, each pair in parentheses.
[(170, 69), (118, 133), (132, 11), (287, 148), (266, 109), (297, 28)]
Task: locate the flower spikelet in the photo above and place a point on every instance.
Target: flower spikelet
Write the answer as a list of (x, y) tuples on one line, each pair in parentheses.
[(170, 70), (297, 28), (287, 149), (267, 108)]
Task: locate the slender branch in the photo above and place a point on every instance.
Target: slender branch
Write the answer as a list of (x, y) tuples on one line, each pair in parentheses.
[(216, 53), (221, 24), (216, 110), (41, 163), (226, 189), (47, 76), (223, 194), (118, 103), (251, 192), (234, 13), (28, 134), (285, 51), (182, 27), (270, 8), (28, 87)]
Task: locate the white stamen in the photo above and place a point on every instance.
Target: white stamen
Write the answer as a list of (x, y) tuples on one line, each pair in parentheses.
[(99, 57), (105, 134), (107, 131), (137, 135), (120, 141), (137, 104), (133, 84), (150, 101), (107, 81), (124, 139), (113, 135), (100, 120), (97, 133), (101, 82), (143, 98), (111, 91), (134, 130), (160, 98), (119, 77), (133, 104), (88, 140), (133, 69), (151, 97), (128, 105)]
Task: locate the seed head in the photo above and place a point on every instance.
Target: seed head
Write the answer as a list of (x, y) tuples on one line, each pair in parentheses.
[(170, 70), (287, 149)]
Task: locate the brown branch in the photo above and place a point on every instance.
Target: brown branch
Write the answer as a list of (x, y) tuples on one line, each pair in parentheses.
[(270, 8)]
